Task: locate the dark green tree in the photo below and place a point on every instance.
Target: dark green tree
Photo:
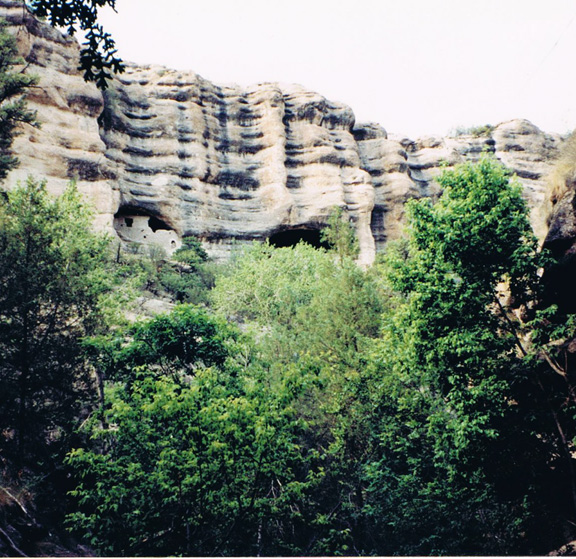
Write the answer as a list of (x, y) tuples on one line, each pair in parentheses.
[(191, 252), (167, 345), (14, 84), (52, 275), (188, 276), (98, 58)]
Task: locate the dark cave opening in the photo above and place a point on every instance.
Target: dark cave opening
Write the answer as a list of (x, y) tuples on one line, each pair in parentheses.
[(130, 210), (291, 237), (558, 281)]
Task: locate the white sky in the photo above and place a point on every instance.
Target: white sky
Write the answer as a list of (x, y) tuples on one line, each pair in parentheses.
[(415, 66)]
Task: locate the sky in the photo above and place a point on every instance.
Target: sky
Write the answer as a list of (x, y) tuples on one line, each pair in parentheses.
[(416, 67)]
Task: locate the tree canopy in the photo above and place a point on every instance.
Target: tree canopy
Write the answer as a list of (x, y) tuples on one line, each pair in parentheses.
[(196, 453), (452, 373)]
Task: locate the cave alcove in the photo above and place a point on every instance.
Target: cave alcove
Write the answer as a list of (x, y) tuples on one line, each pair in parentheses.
[(135, 225), (291, 237)]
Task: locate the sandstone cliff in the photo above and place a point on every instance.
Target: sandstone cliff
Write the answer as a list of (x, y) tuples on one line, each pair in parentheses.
[(68, 144), (164, 154)]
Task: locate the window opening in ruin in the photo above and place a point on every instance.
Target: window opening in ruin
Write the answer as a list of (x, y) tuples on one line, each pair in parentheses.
[(155, 224), (129, 221)]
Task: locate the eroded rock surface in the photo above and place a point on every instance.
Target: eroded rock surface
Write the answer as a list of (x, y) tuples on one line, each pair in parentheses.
[(68, 144), (229, 164), (402, 168)]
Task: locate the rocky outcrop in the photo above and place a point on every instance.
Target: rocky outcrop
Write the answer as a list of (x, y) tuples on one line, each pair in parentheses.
[(402, 168), (561, 237), (165, 154), (68, 144), (230, 165)]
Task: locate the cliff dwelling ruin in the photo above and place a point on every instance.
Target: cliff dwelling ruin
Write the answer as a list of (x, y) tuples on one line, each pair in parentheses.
[(136, 226)]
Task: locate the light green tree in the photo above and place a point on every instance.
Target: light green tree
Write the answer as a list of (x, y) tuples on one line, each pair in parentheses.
[(340, 236), (197, 452), (316, 316)]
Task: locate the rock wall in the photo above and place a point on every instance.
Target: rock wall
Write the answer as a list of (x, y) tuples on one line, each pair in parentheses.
[(68, 143), (229, 164), (402, 168)]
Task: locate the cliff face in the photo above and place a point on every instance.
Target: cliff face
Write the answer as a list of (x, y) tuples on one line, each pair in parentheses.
[(165, 154), (226, 164), (68, 144)]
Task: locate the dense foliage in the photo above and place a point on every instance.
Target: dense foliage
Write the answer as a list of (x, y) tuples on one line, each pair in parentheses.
[(306, 406), (53, 282), (51, 278), (455, 437), (195, 452)]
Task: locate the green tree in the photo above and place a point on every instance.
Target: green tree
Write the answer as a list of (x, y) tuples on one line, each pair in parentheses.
[(14, 84), (98, 59), (191, 252), (52, 275), (184, 277), (459, 453), (306, 303), (189, 275), (167, 345), (268, 286), (339, 235), (197, 453), (316, 314)]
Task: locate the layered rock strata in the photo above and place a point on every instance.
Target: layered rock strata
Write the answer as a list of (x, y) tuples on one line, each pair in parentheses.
[(402, 168), (231, 165), (67, 145), (165, 154)]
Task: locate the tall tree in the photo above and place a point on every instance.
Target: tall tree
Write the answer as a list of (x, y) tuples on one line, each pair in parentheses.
[(461, 451), (52, 273)]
